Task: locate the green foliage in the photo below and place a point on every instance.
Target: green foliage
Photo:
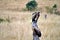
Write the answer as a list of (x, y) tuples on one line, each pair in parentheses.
[(52, 9), (31, 5), (54, 6), (4, 20), (1, 20)]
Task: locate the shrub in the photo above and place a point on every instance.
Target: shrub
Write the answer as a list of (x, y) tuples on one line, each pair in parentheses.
[(1, 20), (52, 9), (4, 20), (55, 6), (31, 5)]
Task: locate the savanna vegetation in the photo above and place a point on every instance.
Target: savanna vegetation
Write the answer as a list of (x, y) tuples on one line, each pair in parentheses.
[(15, 19)]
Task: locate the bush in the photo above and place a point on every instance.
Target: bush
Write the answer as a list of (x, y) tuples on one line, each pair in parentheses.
[(31, 5), (52, 9), (4, 20), (1, 20), (54, 6)]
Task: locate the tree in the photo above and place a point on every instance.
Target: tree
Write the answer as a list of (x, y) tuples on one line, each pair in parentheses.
[(31, 5)]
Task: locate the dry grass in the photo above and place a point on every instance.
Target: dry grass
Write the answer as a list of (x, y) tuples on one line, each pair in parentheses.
[(20, 26)]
